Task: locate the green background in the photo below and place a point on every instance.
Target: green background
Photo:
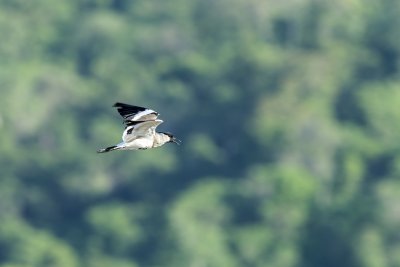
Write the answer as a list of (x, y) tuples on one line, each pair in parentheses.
[(288, 111)]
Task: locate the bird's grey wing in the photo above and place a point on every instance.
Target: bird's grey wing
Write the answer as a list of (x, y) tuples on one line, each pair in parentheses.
[(135, 113), (139, 129)]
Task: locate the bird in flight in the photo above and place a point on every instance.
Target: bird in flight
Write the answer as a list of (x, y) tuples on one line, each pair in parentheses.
[(140, 129)]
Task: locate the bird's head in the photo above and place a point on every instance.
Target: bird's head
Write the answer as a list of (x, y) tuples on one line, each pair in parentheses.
[(172, 139)]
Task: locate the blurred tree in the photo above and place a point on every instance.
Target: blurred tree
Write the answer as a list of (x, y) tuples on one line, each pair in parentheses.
[(287, 110)]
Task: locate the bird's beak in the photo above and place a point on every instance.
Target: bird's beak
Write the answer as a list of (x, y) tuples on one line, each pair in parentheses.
[(176, 141)]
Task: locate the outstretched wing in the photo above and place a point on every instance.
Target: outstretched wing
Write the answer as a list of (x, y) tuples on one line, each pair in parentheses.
[(136, 129), (135, 113)]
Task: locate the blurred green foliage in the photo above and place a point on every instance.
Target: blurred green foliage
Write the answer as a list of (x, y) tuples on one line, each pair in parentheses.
[(288, 110)]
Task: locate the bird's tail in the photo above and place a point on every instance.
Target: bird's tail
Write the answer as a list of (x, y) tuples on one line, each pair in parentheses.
[(107, 149)]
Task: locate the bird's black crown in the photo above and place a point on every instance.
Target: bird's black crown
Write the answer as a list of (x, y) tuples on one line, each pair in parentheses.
[(169, 134)]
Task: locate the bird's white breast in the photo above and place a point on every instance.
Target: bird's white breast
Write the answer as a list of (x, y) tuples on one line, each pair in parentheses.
[(139, 143)]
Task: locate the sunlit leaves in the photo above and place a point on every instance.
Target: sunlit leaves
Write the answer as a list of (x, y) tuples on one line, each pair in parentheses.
[(288, 113), (23, 245)]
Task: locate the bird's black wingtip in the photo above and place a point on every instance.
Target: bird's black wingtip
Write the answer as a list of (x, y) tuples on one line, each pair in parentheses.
[(118, 104), (128, 108)]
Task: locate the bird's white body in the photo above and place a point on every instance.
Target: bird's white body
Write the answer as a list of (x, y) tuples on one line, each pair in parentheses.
[(140, 131), (156, 140), (139, 143)]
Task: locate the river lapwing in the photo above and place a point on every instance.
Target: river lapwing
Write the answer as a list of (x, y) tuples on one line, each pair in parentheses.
[(140, 129)]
